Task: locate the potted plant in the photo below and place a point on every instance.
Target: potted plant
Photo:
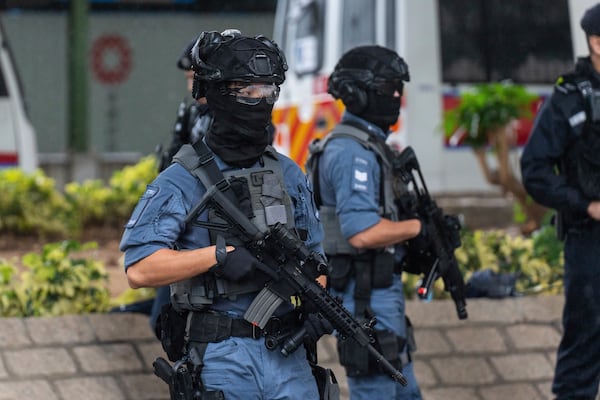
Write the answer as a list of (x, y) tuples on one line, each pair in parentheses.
[(485, 119)]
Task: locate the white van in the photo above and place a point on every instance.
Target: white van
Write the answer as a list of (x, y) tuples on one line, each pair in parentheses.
[(18, 146), (449, 45)]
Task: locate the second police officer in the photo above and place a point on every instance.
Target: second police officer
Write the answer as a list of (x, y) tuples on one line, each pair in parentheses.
[(213, 278), (561, 170), (364, 230)]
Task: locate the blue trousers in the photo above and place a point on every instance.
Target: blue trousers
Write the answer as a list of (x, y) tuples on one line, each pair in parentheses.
[(244, 369), (577, 372), (388, 306)]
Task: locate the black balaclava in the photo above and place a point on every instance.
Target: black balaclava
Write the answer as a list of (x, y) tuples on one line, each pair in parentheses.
[(382, 111), (239, 131)]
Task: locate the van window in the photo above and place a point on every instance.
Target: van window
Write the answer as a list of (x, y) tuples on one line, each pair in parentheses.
[(359, 23), (490, 40), (306, 23)]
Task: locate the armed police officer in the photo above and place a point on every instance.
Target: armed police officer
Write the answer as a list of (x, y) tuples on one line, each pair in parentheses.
[(213, 277), (561, 170), (351, 174), (193, 117)]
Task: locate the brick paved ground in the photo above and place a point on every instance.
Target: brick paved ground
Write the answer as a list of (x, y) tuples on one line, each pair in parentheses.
[(505, 350)]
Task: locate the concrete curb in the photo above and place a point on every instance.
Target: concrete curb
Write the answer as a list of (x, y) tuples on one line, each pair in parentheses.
[(505, 350)]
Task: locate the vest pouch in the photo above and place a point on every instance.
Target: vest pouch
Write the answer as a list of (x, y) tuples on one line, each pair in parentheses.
[(340, 271), (353, 357), (383, 271), (171, 325)]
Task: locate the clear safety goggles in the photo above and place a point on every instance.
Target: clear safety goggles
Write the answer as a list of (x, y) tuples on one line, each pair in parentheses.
[(254, 93)]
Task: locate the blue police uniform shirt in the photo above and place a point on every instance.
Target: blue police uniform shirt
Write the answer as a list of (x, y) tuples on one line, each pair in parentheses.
[(356, 198), (158, 219), (355, 194)]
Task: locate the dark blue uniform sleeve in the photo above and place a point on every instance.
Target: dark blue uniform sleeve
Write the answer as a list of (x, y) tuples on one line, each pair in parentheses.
[(542, 155)]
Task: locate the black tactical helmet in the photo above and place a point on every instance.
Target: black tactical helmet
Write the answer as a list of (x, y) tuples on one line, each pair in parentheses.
[(590, 23), (230, 56), (363, 68), (184, 61)]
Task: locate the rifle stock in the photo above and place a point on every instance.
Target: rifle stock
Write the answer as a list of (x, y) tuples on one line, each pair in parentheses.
[(442, 231), (297, 268)]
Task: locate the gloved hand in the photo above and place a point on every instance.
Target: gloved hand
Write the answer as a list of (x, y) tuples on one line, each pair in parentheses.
[(422, 240), (317, 326), (234, 265)]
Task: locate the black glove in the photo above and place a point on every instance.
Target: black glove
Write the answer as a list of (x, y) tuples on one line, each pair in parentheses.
[(422, 240), (235, 265), (316, 326)]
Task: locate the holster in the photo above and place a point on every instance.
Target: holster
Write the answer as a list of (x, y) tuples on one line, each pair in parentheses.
[(171, 329), (326, 382)]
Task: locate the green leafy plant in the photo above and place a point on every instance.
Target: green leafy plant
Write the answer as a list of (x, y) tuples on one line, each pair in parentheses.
[(30, 203), (127, 186), (537, 260), (9, 301), (484, 118), (54, 283), (486, 108)]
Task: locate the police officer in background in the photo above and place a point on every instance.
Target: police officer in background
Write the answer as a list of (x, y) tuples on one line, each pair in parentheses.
[(240, 78), (193, 117), (364, 231), (566, 138)]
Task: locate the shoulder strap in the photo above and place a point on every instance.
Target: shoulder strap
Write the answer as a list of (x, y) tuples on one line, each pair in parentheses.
[(200, 162)]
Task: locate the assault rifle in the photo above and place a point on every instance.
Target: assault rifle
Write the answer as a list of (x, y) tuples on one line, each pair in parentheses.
[(433, 257), (293, 268)]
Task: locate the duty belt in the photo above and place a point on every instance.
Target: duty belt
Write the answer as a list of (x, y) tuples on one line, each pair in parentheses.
[(209, 327)]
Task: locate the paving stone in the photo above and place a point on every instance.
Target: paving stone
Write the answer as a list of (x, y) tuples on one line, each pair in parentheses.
[(39, 361), (3, 372), (504, 392), (425, 374), (529, 337), (521, 367), (150, 351), (145, 387), (107, 358), (463, 370), (121, 326), (450, 394), (59, 330), (476, 340), (92, 388), (31, 389), (13, 333), (430, 341)]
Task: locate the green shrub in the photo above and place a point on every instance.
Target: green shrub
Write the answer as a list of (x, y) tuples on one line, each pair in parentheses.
[(127, 186), (30, 204), (54, 283), (538, 260), (9, 301)]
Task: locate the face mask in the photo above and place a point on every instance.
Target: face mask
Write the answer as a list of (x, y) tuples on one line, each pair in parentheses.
[(382, 111), (239, 131)]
